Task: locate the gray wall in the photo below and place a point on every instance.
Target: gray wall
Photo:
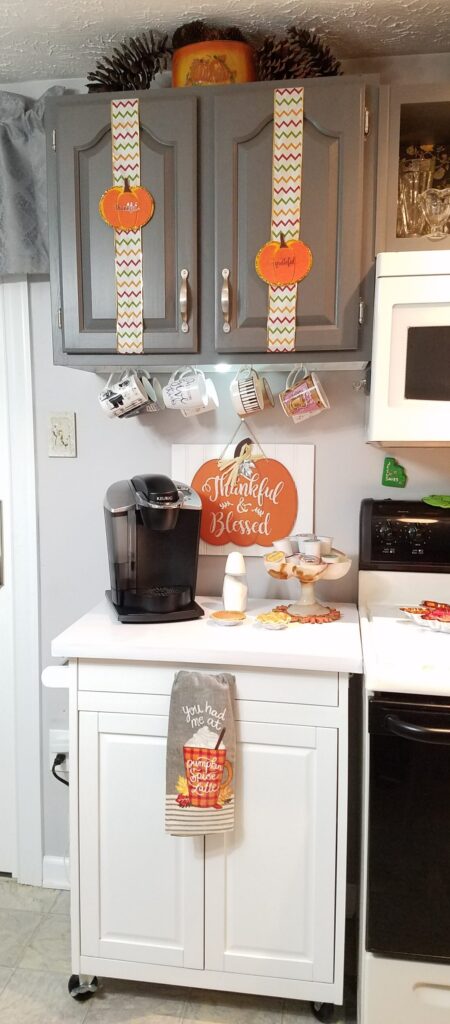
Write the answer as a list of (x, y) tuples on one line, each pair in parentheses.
[(70, 494), (73, 566)]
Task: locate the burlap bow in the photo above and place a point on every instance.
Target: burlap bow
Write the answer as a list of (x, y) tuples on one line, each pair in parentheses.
[(232, 468)]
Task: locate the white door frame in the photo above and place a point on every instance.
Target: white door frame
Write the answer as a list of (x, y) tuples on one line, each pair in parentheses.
[(23, 559)]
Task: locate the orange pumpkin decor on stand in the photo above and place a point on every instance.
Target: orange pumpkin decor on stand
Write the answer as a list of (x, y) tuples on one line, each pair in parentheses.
[(283, 263), (214, 62), (126, 207), (248, 499)]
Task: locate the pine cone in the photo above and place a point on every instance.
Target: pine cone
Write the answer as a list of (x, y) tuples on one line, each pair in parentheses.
[(309, 54), (199, 32), (300, 54), (133, 65), (271, 61), (193, 32)]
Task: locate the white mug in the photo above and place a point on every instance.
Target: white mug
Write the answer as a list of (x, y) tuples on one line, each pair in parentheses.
[(248, 392), (186, 389), (120, 398), (211, 406)]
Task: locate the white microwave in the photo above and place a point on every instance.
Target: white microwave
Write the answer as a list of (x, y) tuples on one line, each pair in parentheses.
[(410, 378)]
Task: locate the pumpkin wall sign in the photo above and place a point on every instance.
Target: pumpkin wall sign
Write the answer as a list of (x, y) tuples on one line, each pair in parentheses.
[(246, 500)]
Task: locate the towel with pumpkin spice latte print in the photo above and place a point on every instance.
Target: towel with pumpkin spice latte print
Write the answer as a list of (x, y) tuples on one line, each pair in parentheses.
[(201, 751)]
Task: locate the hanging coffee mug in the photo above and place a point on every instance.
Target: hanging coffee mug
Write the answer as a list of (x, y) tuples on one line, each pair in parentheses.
[(211, 405), (249, 392), (303, 396), (186, 389), (127, 394)]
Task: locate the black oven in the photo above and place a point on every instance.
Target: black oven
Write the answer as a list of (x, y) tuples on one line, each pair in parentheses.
[(408, 885)]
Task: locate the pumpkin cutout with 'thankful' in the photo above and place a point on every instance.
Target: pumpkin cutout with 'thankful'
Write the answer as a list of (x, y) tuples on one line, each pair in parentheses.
[(259, 508), (126, 207), (283, 263)]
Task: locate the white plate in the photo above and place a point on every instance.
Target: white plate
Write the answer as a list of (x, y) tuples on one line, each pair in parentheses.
[(438, 627), (435, 624)]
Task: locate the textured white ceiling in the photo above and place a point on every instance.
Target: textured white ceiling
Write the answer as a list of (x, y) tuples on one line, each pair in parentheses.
[(63, 38)]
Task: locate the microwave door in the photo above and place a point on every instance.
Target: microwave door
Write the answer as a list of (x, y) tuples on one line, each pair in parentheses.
[(410, 391)]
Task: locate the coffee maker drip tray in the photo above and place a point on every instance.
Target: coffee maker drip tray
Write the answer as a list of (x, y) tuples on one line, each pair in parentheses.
[(157, 604)]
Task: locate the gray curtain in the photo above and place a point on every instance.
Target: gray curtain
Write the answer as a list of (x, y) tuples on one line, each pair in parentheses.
[(23, 184)]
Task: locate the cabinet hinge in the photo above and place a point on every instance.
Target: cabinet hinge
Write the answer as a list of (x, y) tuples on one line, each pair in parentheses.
[(361, 311), (54, 139), (59, 317), (366, 120)]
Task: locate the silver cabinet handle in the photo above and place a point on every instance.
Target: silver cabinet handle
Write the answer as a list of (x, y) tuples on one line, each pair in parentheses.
[(184, 311), (225, 300)]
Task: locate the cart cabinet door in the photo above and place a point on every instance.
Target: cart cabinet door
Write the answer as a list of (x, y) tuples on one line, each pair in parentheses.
[(141, 891), (331, 214), (82, 244), (270, 884)]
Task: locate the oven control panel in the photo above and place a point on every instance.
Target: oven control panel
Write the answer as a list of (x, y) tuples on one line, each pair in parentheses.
[(406, 536)]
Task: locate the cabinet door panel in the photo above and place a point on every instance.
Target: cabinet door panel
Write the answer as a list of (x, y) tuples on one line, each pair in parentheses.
[(270, 885), (331, 221), (141, 891), (168, 170)]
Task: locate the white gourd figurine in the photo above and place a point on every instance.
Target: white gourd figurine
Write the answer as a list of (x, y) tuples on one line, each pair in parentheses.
[(235, 588)]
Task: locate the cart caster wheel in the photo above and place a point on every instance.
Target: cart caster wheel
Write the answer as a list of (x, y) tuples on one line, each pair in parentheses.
[(81, 990), (323, 1012)]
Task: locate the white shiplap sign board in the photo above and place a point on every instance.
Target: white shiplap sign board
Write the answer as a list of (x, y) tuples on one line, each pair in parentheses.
[(298, 459)]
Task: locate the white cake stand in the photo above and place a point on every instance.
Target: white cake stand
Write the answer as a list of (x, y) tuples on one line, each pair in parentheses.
[(287, 567)]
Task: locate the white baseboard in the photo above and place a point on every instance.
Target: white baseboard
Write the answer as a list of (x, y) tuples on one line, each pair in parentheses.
[(56, 873)]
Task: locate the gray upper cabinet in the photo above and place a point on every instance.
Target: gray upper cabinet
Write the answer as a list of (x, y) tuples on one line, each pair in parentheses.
[(82, 245), (212, 147), (331, 213)]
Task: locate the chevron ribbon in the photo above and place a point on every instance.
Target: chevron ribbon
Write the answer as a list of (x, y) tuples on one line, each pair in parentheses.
[(126, 163), (286, 208)]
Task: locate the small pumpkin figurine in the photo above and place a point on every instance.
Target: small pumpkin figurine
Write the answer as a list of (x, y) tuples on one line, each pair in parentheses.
[(127, 207), (283, 263)]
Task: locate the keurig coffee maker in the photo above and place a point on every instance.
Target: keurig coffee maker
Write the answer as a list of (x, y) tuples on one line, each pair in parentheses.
[(153, 534)]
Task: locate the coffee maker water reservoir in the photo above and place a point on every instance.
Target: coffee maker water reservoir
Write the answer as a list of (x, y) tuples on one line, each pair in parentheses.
[(153, 535)]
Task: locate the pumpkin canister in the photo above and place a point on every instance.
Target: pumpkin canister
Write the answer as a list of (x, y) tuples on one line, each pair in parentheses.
[(218, 62), (126, 207)]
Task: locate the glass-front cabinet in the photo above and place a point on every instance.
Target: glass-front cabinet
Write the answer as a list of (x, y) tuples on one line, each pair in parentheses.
[(413, 202)]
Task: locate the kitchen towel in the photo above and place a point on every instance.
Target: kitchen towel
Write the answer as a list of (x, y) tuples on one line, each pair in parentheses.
[(201, 751)]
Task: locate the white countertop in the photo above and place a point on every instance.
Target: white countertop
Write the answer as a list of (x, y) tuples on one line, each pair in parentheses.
[(402, 657), (329, 647)]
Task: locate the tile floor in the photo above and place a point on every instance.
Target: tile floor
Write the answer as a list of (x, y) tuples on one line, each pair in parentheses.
[(35, 968)]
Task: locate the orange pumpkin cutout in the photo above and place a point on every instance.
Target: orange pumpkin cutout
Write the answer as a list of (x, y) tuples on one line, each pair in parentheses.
[(260, 509), (283, 263), (127, 208)]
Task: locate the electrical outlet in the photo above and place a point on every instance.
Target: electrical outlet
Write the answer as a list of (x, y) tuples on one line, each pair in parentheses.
[(62, 441), (58, 744)]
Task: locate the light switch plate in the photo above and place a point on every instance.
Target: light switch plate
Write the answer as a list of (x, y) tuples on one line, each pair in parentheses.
[(62, 435)]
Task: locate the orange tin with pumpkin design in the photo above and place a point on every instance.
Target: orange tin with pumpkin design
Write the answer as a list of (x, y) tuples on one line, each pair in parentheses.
[(218, 62)]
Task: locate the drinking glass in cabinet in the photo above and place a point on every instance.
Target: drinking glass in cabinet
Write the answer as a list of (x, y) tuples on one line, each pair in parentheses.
[(415, 176), (435, 203)]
